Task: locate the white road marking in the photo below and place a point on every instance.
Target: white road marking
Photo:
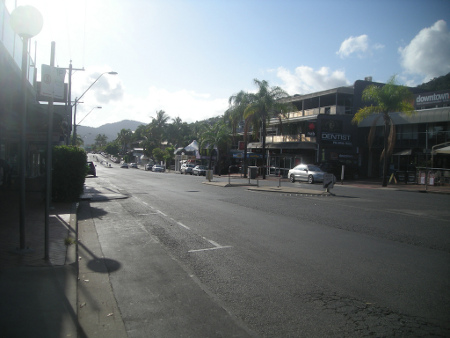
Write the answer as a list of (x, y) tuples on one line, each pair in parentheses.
[(213, 243), (209, 249), (184, 226), (159, 211), (216, 246)]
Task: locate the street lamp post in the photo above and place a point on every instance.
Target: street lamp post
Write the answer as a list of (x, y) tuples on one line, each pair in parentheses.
[(27, 22), (99, 107), (75, 104)]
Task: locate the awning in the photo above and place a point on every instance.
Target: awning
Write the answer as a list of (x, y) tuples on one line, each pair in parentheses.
[(445, 150), (433, 115), (404, 153), (284, 145)]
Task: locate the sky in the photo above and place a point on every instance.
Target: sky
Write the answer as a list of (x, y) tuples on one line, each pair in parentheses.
[(187, 57)]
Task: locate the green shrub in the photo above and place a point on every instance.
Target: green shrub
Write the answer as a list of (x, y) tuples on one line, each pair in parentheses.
[(69, 173)]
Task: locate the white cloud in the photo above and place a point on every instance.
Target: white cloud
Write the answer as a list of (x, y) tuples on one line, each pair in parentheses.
[(428, 53), (306, 80), (359, 45)]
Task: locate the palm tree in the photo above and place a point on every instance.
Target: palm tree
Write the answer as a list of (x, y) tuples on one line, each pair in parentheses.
[(235, 114), (264, 104), (124, 137), (214, 137), (390, 98), (159, 126)]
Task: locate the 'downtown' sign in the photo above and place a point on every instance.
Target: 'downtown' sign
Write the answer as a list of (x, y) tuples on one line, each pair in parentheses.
[(436, 98)]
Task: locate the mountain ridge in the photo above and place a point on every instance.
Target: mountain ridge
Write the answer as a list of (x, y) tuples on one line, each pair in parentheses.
[(88, 134)]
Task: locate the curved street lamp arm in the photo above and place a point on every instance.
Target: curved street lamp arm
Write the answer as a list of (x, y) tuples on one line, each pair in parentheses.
[(93, 83), (99, 107)]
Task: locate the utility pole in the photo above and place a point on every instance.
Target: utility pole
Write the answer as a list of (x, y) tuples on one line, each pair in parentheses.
[(69, 102), (48, 188)]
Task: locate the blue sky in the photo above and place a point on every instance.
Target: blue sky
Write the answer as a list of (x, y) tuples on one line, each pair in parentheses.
[(187, 57)]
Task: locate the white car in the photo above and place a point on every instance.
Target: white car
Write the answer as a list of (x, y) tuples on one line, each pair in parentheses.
[(306, 172), (186, 168)]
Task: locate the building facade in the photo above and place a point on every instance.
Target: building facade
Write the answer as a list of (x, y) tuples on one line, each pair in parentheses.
[(320, 131), (10, 110)]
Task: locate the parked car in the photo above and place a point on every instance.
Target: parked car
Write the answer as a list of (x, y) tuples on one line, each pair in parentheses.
[(186, 168), (158, 168), (124, 165), (91, 169), (148, 166), (199, 170), (133, 165), (306, 172)]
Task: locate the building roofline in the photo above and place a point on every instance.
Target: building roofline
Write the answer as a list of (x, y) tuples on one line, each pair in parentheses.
[(339, 90)]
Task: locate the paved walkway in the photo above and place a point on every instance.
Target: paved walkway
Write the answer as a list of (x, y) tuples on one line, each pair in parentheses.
[(44, 298)]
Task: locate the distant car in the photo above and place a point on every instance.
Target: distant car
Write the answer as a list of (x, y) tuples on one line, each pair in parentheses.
[(158, 168), (148, 166), (124, 165), (306, 172), (199, 170), (91, 169), (133, 165), (186, 168)]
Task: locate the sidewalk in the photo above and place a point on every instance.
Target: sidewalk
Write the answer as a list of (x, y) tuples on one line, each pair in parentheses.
[(277, 184), (48, 299), (38, 297)]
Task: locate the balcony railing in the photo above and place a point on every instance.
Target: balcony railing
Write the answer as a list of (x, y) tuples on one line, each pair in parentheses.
[(289, 138)]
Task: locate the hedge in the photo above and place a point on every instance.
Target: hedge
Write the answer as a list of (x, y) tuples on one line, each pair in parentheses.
[(69, 173)]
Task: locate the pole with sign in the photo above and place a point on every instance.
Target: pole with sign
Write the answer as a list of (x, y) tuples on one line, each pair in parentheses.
[(52, 86), (328, 181)]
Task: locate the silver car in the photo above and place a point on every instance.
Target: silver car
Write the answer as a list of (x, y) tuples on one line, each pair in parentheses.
[(306, 172)]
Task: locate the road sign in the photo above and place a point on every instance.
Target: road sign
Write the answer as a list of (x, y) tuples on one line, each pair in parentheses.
[(328, 181)]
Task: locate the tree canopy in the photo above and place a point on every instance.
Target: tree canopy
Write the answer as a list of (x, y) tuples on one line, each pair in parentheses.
[(383, 100)]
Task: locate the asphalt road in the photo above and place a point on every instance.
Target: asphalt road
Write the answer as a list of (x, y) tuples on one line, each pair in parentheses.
[(201, 260)]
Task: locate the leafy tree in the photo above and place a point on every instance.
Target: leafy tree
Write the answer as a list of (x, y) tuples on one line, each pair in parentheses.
[(178, 133), (214, 137), (169, 155), (79, 142), (158, 154), (124, 138), (101, 140), (390, 98), (112, 148), (438, 83), (264, 104)]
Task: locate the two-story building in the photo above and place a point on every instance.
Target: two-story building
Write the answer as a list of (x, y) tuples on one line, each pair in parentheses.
[(320, 130)]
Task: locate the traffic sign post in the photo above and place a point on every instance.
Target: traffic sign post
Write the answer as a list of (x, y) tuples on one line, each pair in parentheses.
[(328, 181)]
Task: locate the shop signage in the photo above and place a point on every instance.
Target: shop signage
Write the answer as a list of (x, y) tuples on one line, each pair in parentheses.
[(337, 139), (311, 130), (52, 82), (425, 99), (249, 155)]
